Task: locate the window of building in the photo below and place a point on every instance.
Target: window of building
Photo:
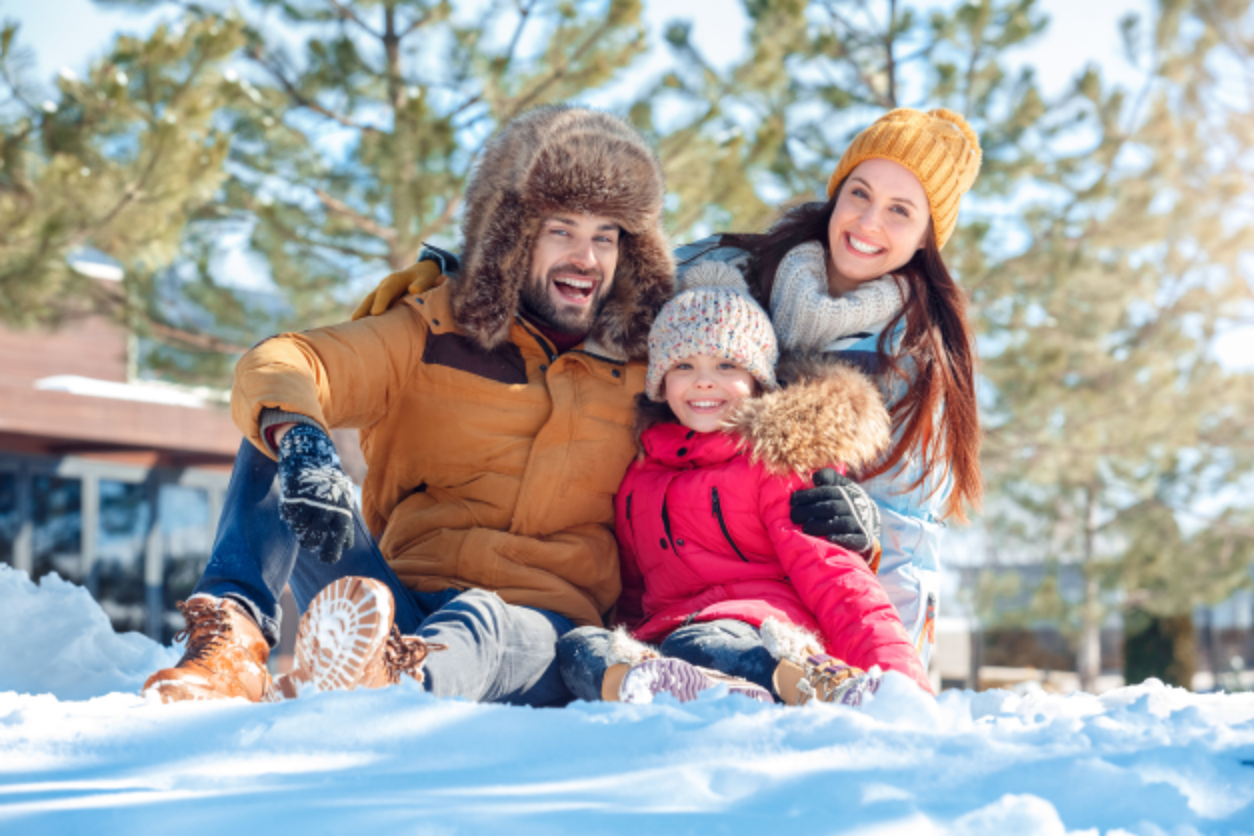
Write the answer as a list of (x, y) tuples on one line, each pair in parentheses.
[(118, 568), (10, 519), (186, 537), (137, 538), (57, 527)]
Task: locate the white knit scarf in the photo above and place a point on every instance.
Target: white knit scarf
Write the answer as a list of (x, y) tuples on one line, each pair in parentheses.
[(806, 316)]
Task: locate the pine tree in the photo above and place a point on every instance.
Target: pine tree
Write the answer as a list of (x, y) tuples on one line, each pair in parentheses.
[(361, 120), (1110, 419), (120, 161)]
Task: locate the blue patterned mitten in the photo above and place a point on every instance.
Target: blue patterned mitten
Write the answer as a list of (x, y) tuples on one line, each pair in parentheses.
[(316, 497)]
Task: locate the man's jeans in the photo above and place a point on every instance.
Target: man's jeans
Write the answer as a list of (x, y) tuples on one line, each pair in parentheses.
[(726, 645), (497, 652)]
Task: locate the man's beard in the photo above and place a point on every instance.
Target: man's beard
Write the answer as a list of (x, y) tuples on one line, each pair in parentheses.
[(537, 302)]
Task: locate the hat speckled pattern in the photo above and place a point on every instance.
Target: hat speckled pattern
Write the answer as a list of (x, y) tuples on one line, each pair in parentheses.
[(714, 321)]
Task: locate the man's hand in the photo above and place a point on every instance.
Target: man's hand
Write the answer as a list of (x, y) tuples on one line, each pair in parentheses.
[(315, 496), (838, 509), (418, 278)]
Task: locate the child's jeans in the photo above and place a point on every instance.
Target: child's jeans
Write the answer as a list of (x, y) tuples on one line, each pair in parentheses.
[(731, 647)]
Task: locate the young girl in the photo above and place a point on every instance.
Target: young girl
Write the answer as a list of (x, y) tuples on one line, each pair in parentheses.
[(714, 572)]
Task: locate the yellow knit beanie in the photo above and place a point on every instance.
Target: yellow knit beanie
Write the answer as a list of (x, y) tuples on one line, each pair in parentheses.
[(938, 147)]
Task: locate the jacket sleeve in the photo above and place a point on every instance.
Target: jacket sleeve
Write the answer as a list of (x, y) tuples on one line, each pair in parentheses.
[(630, 609), (858, 621), (341, 376)]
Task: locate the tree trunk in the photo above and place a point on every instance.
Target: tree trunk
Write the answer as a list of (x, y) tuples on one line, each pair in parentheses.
[(1089, 653)]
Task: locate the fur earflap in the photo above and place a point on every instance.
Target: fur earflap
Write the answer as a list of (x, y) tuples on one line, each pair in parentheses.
[(789, 642), (827, 413), (561, 158)]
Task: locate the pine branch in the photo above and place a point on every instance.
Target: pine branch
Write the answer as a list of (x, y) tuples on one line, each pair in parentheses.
[(437, 226), (867, 82), (113, 301), (301, 100), (558, 73), (349, 14), (889, 37), (365, 224), (524, 11), (416, 25)]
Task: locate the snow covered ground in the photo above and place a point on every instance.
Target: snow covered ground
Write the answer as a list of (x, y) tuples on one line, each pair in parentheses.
[(80, 752)]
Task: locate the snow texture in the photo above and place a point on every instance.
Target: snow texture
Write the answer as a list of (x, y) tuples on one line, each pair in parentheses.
[(81, 752)]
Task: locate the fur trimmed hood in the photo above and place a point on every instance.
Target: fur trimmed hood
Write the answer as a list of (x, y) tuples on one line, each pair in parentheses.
[(827, 412), (564, 158)]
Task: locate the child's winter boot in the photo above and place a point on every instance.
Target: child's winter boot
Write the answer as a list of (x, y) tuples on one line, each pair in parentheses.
[(642, 682), (225, 657), (824, 679), (347, 640)]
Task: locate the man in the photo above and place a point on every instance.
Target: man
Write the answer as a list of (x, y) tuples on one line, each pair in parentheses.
[(495, 414), (495, 417)]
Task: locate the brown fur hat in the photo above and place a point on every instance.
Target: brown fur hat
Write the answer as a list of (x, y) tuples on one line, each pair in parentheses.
[(561, 158)]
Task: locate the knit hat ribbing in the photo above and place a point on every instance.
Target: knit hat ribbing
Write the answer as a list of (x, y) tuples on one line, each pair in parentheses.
[(938, 147), (715, 320)]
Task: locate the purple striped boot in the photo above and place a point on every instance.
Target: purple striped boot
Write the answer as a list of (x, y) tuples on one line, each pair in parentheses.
[(682, 681)]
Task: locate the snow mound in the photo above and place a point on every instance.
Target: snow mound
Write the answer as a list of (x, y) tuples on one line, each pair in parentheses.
[(1146, 760), (55, 639)]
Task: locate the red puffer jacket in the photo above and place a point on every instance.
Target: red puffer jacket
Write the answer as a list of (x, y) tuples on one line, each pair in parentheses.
[(704, 534)]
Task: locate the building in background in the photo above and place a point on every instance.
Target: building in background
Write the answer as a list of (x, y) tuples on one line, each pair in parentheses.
[(111, 482)]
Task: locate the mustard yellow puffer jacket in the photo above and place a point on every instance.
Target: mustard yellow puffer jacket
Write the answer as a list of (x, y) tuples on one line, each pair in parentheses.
[(487, 469)]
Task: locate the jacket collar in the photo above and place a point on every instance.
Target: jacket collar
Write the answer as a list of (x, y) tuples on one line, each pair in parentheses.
[(674, 445), (827, 414)]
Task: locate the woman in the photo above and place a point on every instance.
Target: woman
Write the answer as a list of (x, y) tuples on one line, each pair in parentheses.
[(860, 279)]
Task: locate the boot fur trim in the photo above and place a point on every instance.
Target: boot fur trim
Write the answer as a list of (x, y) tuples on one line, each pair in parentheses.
[(624, 650), (787, 642)]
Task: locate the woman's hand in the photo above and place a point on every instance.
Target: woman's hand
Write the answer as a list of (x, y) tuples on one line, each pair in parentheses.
[(840, 511), (418, 278)]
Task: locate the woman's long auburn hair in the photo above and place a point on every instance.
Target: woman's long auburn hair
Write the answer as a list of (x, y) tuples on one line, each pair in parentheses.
[(937, 340)]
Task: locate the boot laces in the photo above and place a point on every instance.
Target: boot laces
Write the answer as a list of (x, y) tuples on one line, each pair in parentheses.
[(405, 655), (206, 625), (824, 678)]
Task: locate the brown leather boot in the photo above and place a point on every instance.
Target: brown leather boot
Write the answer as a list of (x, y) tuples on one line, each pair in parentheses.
[(347, 640), (225, 657)]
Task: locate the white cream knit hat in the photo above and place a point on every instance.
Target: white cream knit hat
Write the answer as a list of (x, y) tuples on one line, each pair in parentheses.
[(713, 316)]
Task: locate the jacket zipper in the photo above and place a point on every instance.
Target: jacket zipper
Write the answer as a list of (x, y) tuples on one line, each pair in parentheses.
[(718, 514), (544, 344), (631, 525), (666, 524)]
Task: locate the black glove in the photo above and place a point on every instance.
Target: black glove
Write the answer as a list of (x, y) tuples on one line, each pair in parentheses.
[(838, 509), (315, 496)]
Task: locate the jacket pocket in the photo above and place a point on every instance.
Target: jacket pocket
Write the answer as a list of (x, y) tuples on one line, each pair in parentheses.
[(722, 524)]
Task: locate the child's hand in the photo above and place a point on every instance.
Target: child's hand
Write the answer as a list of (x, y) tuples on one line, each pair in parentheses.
[(839, 510)]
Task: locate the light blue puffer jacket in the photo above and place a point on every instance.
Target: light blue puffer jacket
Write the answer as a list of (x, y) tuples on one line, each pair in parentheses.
[(913, 533)]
